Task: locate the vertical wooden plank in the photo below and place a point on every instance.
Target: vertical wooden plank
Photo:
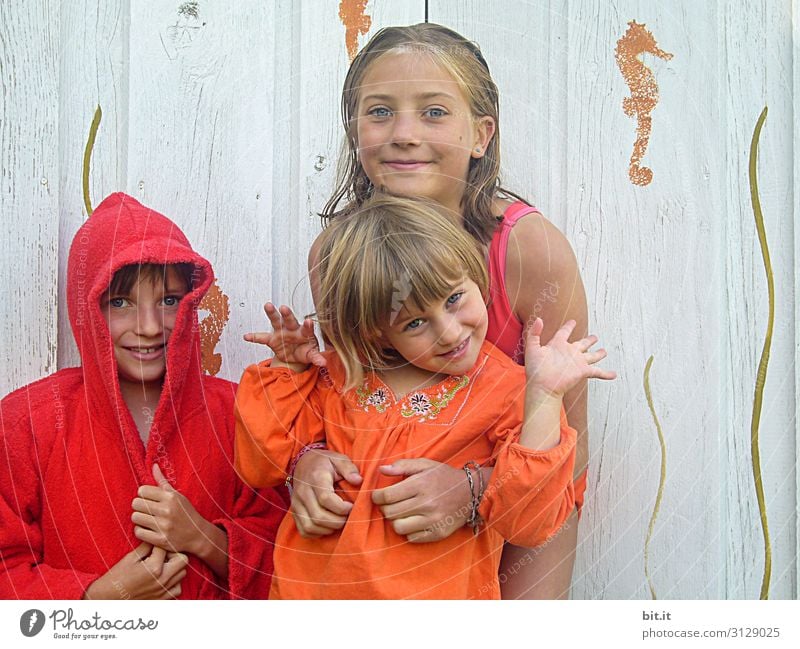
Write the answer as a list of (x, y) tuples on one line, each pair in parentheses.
[(524, 44), (29, 191), (757, 45), (796, 214), (201, 133), (92, 70)]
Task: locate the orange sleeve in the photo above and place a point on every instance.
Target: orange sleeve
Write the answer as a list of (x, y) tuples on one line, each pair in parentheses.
[(278, 412), (530, 493)]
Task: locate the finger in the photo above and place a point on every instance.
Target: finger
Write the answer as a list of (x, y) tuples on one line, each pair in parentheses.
[(289, 321), (144, 520), (175, 579), (535, 332), (410, 525), (305, 526), (146, 506), (172, 593), (565, 331), (346, 469), (155, 562), (586, 343), (595, 357), (160, 479), (403, 509), (408, 467), (142, 551), (150, 493), (606, 375), (273, 315), (149, 536), (394, 494), (332, 503), (174, 565), (425, 536), (321, 517), (259, 337)]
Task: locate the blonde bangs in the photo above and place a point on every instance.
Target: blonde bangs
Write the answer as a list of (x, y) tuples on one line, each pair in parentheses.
[(391, 253)]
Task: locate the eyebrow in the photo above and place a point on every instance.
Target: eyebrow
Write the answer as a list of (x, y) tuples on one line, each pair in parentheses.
[(425, 95)]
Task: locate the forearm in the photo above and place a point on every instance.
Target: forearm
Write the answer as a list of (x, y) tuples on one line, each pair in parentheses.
[(212, 549), (576, 407), (541, 429)]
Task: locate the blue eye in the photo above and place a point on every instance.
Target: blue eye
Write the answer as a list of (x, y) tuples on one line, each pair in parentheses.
[(436, 112), (415, 323), (117, 302), (455, 297), (379, 111)]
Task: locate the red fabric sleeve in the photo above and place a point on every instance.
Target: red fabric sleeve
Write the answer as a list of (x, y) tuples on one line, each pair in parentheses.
[(277, 413), (530, 494), (251, 531), (22, 573)]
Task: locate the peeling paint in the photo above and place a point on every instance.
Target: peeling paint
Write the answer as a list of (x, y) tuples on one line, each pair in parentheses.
[(217, 305), (644, 91), (355, 21)]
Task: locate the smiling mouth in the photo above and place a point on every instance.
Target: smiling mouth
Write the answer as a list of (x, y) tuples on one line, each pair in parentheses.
[(458, 350), (147, 353), (405, 164)]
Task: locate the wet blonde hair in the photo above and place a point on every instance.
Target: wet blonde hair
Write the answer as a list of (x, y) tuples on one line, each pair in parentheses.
[(389, 252), (463, 60)]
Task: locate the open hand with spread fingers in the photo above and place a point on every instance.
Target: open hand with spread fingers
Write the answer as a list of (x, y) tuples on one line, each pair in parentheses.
[(294, 344), (555, 368)]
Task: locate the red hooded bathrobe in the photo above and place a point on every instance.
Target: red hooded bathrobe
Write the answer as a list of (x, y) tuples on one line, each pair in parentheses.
[(71, 458)]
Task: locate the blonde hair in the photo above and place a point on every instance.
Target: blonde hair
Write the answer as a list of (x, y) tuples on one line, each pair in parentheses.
[(389, 252), (464, 62)]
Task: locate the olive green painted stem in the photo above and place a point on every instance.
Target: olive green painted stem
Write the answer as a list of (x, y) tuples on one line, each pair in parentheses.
[(661, 481), (87, 158), (761, 376)]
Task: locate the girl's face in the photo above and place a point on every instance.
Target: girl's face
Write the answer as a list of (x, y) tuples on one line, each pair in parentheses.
[(415, 131), (444, 337)]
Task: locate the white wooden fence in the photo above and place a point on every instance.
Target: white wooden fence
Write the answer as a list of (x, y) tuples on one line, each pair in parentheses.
[(224, 116)]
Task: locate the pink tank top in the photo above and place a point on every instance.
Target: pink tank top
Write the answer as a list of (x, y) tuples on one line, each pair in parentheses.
[(505, 329)]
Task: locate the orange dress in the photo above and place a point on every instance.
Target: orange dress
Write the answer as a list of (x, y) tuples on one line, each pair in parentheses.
[(477, 416)]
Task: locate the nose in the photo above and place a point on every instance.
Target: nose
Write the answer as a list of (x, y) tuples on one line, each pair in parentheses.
[(149, 321), (405, 128), (449, 331)]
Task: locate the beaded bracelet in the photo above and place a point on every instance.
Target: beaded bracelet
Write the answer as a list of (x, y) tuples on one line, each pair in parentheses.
[(293, 466), (474, 520)]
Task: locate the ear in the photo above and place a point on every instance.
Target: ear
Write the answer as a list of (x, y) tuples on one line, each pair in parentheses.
[(484, 132)]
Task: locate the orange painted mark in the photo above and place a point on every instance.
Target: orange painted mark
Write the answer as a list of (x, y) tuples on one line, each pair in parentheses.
[(355, 21), (644, 91), (217, 305)]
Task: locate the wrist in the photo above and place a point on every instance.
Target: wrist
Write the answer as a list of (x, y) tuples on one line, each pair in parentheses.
[(209, 540), (294, 367)]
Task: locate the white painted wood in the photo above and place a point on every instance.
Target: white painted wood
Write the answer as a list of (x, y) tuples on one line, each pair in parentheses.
[(92, 68), (758, 76), (29, 191), (228, 122), (795, 211)]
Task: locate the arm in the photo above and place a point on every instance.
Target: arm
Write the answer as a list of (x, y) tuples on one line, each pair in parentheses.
[(543, 280), (278, 408)]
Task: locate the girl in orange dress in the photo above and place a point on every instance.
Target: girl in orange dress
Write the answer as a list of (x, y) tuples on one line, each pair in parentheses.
[(403, 303)]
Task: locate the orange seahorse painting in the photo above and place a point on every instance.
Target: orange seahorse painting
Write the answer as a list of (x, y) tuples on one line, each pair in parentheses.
[(352, 13), (217, 305), (644, 91)]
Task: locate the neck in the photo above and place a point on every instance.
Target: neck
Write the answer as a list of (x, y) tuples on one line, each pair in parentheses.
[(142, 401), (407, 378)]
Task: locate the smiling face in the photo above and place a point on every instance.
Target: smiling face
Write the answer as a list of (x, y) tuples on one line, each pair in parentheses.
[(415, 131), (444, 337), (140, 322)]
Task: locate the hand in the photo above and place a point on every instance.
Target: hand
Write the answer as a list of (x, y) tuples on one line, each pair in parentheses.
[(290, 341), (146, 572), (166, 518), (430, 504), (316, 508), (558, 366)]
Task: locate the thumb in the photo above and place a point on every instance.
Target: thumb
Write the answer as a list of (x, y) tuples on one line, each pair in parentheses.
[(408, 467), (347, 470), (160, 479), (535, 332)]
